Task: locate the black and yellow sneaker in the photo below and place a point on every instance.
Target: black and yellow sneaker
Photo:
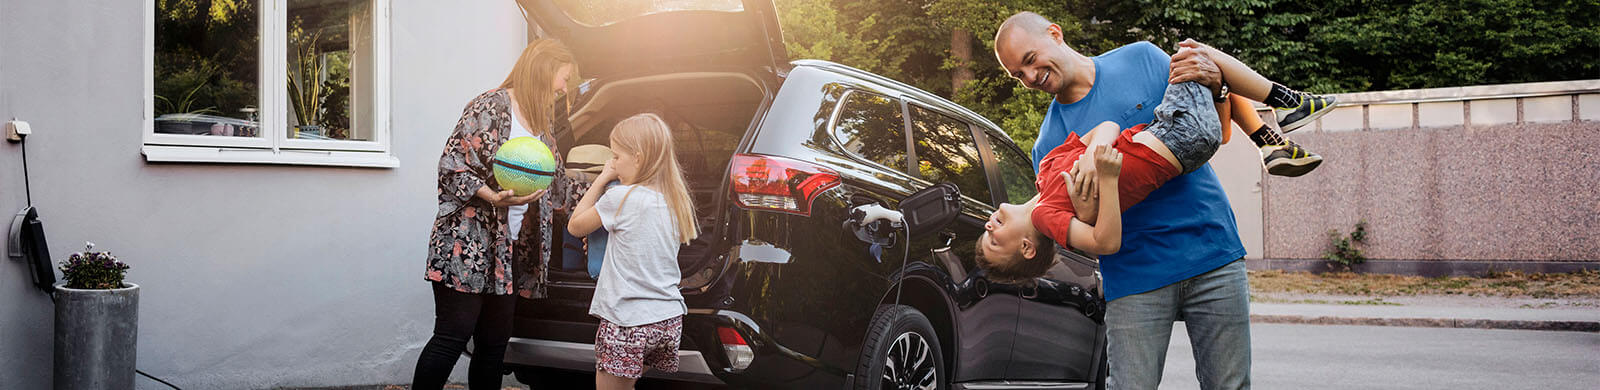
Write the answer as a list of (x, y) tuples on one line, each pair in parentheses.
[(1311, 107), (1289, 159)]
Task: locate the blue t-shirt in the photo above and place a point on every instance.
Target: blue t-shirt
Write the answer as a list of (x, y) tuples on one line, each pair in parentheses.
[(1183, 229)]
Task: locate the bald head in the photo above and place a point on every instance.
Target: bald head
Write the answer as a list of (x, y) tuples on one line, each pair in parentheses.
[(1033, 51), (1025, 22)]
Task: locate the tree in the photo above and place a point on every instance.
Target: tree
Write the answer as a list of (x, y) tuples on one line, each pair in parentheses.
[(1325, 47)]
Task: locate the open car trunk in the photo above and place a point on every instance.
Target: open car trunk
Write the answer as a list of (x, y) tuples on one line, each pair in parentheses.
[(709, 113)]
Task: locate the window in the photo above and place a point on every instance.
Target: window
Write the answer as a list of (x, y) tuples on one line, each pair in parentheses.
[(1016, 171), (870, 126), (267, 81), (946, 152)]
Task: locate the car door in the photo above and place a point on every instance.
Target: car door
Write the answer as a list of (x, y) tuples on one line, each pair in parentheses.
[(1060, 321), (945, 151)]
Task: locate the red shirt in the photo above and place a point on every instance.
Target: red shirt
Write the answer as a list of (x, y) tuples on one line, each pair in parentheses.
[(1143, 170)]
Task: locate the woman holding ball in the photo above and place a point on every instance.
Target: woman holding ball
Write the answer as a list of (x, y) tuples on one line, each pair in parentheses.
[(470, 250)]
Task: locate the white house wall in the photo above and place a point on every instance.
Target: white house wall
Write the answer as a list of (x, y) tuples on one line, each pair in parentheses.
[(252, 276)]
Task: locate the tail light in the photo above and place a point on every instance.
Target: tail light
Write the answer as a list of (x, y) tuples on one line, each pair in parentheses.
[(739, 352), (777, 183)]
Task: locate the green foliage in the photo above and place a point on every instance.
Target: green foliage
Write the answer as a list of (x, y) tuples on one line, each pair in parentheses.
[(93, 270), (1325, 47), (205, 52), (1345, 254)]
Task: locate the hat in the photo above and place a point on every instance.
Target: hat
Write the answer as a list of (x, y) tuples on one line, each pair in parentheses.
[(589, 158)]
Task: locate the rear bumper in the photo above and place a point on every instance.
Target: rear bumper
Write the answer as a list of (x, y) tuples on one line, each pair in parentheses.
[(692, 365)]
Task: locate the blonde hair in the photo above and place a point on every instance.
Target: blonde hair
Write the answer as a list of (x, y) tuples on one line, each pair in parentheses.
[(531, 77), (647, 137)]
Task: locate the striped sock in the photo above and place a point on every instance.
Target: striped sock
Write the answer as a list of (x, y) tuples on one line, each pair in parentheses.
[(1266, 136), (1283, 97)]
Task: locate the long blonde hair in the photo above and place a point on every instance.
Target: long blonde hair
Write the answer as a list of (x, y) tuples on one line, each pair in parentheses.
[(648, 137), (531, 77)]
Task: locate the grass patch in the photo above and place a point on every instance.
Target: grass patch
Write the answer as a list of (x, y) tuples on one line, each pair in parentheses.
[(1582, 284)]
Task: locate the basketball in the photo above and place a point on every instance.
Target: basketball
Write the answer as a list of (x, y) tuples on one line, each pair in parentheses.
[(524, 165)]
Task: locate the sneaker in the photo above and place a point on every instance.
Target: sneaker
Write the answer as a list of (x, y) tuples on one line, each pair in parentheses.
[(1311, 107), (1289, 159)]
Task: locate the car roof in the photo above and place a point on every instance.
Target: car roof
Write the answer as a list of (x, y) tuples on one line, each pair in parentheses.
[(921, 96)]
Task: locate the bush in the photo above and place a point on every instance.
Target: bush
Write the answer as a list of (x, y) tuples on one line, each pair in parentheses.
[(1345, 254), (93, 270)]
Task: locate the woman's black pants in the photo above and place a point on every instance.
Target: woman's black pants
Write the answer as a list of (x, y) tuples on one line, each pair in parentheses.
[(458, 316)]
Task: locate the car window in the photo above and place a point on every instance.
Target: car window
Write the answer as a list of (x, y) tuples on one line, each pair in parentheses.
[(870, 126), (946, 152), (1016, 171)]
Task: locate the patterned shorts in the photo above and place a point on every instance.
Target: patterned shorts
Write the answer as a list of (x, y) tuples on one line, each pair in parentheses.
[(625, 351)]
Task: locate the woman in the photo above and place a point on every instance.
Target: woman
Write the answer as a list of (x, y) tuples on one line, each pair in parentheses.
[(469, 253)]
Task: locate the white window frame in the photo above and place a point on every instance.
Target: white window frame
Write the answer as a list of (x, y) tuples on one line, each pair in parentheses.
[(273, 145)]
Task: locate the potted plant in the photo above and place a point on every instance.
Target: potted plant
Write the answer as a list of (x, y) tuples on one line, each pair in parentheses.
[(97, 321)]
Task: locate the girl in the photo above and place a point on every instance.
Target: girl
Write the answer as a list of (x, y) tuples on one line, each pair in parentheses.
[(648, 217), (469, 252)]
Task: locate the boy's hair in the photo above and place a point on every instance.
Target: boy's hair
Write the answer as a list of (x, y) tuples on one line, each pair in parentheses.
[(648, 137), (1014, 267)]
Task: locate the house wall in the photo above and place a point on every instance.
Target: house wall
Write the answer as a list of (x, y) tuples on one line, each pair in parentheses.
[(252, 276)]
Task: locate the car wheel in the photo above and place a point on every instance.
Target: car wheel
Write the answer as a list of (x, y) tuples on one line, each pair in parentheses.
[(901, 352)]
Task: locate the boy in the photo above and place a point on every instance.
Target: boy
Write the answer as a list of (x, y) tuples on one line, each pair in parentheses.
[(1072, 211)]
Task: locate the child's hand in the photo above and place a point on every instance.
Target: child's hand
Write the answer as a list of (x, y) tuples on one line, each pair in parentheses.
[(607, 174), (1108, 162)]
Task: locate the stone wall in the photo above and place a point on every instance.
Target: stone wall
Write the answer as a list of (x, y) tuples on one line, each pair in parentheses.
[(1505, 173)]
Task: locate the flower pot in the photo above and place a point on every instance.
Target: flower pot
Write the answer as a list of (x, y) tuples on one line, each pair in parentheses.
[(95, 337)]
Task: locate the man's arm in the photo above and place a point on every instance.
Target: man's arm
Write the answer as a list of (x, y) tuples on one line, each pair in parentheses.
[(1192, 63)]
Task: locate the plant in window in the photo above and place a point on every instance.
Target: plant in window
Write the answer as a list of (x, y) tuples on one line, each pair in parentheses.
[(306, 71)]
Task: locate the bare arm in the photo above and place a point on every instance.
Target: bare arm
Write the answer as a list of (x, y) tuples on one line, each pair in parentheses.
[(1083, 176), (585, 219), (1105, 236)]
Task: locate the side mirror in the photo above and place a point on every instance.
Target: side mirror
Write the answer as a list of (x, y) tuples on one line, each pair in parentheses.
[(931, 209)]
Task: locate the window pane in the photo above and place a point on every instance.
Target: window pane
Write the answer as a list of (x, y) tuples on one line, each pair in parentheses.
[(1016, 171), (946, 152), (870, 126), (206, 68), (330, 70)]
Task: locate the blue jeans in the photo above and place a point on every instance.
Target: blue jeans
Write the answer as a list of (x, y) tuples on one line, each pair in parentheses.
[(1215, 306)]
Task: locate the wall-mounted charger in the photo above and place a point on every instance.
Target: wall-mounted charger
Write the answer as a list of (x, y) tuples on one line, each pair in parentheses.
[(16, 129)]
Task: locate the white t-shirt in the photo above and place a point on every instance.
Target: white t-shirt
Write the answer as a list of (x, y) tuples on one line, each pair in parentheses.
[(514, 218), (639, 283)]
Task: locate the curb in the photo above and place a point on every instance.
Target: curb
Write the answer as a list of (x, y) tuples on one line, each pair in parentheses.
[(1567, 326)]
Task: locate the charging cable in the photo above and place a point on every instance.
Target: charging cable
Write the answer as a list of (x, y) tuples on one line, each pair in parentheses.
[(27, 187), (872, 212)]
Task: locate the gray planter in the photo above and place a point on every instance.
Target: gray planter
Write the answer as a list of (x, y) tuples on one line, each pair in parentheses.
[(96, 334)]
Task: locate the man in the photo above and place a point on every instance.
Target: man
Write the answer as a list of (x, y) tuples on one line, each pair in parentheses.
[(1180, 258)]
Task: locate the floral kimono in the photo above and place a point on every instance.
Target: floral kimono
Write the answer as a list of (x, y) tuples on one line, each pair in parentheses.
[(470, 247)]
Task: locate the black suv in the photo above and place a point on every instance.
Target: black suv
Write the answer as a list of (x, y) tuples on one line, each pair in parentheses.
[(785, 288)]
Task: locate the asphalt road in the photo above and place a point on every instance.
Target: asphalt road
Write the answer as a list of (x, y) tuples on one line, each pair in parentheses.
[(1380, 357)]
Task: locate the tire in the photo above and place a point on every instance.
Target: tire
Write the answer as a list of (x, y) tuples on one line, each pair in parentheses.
[(900, 338)]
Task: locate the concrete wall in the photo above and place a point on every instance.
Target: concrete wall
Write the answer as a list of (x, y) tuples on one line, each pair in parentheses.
[(253, 276), (1238, 166), (1503, 174)]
